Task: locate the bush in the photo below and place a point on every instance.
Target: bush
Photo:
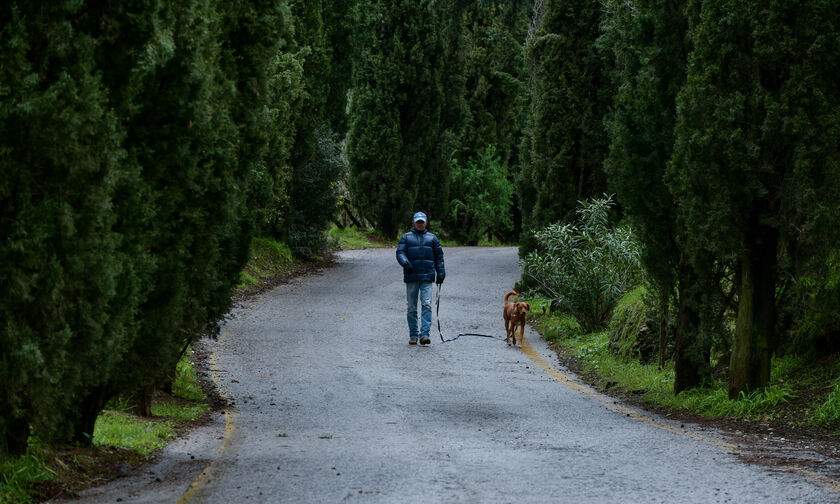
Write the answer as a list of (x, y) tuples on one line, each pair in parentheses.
[(481, 197), (585, 267), (628, 328), (313, 195)]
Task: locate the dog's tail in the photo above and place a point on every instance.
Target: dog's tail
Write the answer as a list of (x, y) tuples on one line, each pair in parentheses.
[(509, 294)]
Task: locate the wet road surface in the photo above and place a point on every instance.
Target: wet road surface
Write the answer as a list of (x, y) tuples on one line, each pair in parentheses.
[(335, 406), (330, 404)]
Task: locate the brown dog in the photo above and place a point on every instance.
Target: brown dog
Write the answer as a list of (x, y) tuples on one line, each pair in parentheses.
[(515, 314)]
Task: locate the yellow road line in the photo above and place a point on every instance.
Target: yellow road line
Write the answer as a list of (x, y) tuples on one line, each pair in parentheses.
[(531, 353), (204, 483)]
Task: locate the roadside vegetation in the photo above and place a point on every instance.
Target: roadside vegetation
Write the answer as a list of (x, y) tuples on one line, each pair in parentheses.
[(590, 298), (803, 391), (352, 237), (727, 181), (140, 200), (267, 259), (120, 441)]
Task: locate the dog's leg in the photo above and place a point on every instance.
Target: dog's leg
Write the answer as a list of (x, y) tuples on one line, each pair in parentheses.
[(507, 328), (521, 332)]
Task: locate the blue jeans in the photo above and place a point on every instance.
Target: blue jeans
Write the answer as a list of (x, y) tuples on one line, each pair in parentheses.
[(424, 290)]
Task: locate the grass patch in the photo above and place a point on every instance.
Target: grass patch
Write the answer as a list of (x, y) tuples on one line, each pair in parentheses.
[(186, 385), (19, 474), (179, 412), (141, 436), (246, 280), (351, 238), (268, 258), (118, 437), (656, 386), (827, 412)]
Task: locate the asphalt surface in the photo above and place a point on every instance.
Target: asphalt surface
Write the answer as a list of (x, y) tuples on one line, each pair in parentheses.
[(333, 405)]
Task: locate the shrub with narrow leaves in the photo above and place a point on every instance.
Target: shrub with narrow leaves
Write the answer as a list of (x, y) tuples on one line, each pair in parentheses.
[(585, 266)]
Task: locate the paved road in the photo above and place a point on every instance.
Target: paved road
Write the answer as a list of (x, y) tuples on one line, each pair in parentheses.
[(332, 405)]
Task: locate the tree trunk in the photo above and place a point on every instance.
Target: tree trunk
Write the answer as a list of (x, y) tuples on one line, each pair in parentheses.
[(749, 366), (89, 409), (167, 385), (16, 437), (691, 352), (140, 402), (663, 314)]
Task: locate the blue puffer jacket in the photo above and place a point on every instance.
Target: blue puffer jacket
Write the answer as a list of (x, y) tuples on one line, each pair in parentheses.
[(422, 251)]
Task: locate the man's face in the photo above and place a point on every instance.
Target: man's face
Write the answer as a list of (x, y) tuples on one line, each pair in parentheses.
[(419, 225)]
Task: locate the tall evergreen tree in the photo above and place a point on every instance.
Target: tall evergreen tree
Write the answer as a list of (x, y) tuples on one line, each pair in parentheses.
[(132, 138), (396, 163), (69, 288), (569, 96), (494, 69), (315, 160), (186, 132), (338, 16), (649, 40), (484, 88), (158, 60), (756, 145)]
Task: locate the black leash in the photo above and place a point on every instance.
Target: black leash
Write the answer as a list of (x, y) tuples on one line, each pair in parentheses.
[(437, 316)]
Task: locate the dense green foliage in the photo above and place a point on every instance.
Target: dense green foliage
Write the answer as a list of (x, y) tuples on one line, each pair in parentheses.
[(585, 266), (756, 157), (485, 89), (480, 198), (396, 161), (144, 145), (70, 280), (649, 45), (569, 95)]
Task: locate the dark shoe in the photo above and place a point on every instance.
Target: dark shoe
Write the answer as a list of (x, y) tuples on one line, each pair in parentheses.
[(412, 341), (425, 341)]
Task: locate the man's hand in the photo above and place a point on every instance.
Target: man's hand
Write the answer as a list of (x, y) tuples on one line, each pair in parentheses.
[(439, 280), (408, 269)]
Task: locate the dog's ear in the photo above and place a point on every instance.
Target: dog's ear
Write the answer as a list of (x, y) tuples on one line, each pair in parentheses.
[(527, 307)]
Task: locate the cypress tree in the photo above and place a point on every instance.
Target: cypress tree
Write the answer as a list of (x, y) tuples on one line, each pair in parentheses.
[(485, 72), (204, 194), (649, 42), (297, 174), (156, 60), (316, 158), (494, 69), (69, 287), (132, 135), (187, 115), (569, 96), (756, 144), (338, 23), (286, 89), (393, 148)]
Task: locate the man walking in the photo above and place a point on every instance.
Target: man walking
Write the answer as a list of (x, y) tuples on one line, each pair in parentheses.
[(421, 256)]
